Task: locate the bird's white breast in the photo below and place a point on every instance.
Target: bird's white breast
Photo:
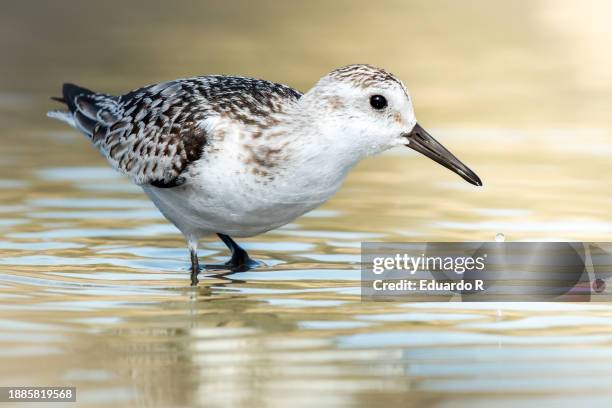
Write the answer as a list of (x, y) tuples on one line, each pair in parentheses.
[(244, 186)]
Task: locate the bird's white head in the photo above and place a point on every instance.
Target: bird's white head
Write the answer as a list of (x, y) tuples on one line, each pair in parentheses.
[(360, 110)]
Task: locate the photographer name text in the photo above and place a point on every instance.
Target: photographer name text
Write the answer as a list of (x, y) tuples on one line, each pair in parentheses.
[(429, 285)]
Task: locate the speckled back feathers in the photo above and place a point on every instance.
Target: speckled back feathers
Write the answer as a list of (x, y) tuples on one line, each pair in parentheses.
[(153, 134)]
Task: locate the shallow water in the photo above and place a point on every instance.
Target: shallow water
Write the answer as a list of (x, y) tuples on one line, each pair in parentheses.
[(95, 293), (94, 288)]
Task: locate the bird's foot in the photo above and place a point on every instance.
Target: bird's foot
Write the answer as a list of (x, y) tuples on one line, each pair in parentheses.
[(240, 262), (195, 265), (194, 277)]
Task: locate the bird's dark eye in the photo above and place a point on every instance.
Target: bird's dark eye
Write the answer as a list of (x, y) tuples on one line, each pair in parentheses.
[(378, 102)]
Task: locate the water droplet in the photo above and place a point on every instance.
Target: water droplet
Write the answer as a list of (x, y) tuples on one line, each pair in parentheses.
[(500, 237)]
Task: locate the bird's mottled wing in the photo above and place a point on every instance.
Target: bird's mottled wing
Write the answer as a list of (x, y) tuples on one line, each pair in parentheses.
[(151, 134)]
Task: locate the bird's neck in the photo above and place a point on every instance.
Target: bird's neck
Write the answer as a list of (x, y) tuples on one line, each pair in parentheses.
[(303, 151)]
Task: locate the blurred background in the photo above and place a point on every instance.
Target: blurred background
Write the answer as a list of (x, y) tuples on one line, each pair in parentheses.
[(485, 63), (93, 281)]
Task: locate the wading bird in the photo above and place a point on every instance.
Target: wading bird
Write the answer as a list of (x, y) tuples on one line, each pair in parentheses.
[(238, 156)]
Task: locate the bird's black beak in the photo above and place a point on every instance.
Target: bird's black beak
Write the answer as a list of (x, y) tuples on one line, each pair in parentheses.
[(423, 142)]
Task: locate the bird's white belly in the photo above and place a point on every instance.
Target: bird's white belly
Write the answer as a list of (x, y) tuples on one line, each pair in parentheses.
[(237, 204)]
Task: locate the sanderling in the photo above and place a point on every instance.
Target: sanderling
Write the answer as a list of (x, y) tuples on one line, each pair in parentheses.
[(237, 156)]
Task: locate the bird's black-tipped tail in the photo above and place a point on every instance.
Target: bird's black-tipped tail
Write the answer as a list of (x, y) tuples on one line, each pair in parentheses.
[(85, 108), (70, 93)]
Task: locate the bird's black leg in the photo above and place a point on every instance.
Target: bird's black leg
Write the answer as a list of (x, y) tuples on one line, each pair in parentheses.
[(195, 264), (240, 260)]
